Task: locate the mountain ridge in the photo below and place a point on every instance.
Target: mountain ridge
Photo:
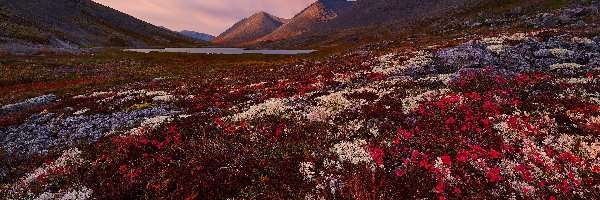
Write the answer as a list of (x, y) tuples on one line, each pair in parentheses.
[(197, 35), (81, 23), (366, 12), (249, 29), (369, 19), (310, 18)]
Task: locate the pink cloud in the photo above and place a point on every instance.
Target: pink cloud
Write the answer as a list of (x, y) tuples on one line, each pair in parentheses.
[(208, 16)]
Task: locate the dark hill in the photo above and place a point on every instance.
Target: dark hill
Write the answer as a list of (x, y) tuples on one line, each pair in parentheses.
[(76, 23)]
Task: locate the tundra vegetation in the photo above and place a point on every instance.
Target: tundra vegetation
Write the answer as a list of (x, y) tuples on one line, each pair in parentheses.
[(488, 114)]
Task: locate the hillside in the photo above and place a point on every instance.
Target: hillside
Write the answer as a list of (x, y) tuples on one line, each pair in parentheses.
[(377, 20), (369, 12), (366, 18), (79, 23), (197, 35), (310, 19), (250, 29)]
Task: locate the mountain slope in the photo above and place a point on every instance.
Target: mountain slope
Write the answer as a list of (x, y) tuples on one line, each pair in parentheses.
[(367, 12), (80, 23), (197, 35), (370, 19), (310, 18), (250, 29)]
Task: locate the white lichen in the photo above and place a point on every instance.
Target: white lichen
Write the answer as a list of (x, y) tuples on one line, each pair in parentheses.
[(81, 112), (409, 104), (271, 107), (565, 66), (80, 193), (390, 65), (307, 170), (353, 152), (561, 52), (497, 48)]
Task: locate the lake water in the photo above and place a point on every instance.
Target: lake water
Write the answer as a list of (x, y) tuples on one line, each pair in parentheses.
[(222, 51)]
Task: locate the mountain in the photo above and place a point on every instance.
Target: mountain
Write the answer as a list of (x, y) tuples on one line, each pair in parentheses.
[(250, 29), (364, 20), (77, 23), (197, 35), (164, 27), (368, 12), (310, 18)]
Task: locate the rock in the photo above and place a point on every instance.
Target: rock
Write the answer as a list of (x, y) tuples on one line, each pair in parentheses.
[(547, 20), (573, 13), (517, 57), (33, 102), (506, 74), (542, 53), (516, 11), (564, 19), (531, 54), (472, 54), (593, 10), (43, 132), (524, 18), (557, 42), (580, 24), (594, 62), (68, 109)]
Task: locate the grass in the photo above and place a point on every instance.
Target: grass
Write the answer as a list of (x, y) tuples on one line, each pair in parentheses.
[(24, 77), (139, 106)]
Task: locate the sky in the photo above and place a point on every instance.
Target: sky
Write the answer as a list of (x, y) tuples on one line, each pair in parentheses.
[(205, 16)]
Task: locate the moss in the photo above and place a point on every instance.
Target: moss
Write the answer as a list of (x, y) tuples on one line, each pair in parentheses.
[(139, 106), (595, 33), (554, 4), (116, 42)]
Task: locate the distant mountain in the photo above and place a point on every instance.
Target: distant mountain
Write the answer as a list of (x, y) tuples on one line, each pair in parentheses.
[(197, 35), (250, 29), (163, 27), (310, 18), (77, 23)]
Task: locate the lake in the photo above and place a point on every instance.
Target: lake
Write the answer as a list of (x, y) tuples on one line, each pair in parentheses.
[(222, 51)]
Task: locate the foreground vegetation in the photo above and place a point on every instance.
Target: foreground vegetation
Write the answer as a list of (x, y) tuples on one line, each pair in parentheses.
[(488, 114), (359, 125)]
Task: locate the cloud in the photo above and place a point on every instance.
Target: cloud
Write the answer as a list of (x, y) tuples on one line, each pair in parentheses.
[(208, 16)]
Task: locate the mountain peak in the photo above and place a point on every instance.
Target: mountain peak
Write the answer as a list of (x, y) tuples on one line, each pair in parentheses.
[(249, 29), (310, 18), (262, 15)]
